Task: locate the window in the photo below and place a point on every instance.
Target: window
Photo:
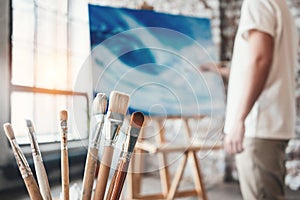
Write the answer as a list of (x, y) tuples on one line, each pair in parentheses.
[(50, 43)]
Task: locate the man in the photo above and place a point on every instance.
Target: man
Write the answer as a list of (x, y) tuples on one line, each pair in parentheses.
[(260, 114)]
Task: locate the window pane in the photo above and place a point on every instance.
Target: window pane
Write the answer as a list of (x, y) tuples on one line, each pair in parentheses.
[(43, 110), (51, 70), (23, 25), (21, 109), (61, 40), (80, 39), (59, 6), (78, 117), (45, 54), (46, 28), (79, 11), (24, 5), (22, 62)]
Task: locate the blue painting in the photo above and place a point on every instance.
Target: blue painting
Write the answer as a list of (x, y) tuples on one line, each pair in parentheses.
[(155, 57)]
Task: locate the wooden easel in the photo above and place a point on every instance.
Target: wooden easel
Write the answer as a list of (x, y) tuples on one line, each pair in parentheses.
[(169, 187)]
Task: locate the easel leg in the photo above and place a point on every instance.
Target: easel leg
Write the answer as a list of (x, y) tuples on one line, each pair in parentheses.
[(177, 178), (198, 179), (162, 159)]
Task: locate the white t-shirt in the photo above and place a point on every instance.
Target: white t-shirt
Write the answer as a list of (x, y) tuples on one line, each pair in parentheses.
[(273, 115)]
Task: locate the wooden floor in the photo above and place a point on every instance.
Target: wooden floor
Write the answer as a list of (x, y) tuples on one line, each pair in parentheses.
[(216, 191)]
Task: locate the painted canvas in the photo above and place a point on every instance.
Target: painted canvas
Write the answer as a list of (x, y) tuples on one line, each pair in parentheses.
[(155, 57)]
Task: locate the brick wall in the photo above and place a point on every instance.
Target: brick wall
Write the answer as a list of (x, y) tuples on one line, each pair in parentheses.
[(230, 14), (293, 150)]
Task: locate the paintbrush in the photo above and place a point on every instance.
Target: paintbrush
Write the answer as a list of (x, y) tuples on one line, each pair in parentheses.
[(31, 185), (118, 179), (64, 154), (99, 109), (40, 170), (118, 105)]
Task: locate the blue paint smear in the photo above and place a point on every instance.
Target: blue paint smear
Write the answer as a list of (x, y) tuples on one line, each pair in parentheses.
[(154, 57)]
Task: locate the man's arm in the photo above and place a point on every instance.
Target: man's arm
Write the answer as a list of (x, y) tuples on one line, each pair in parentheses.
[(261, 55)]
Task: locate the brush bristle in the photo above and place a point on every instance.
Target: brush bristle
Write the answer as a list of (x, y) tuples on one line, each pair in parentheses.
[(137, 119), (28, 123), (100, 104), (118, 102), (63, 115), (9, 131)]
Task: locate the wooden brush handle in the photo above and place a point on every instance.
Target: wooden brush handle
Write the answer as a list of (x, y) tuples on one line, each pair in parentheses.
[(32, 188), (65, 174), (89, 173), (111, 186), (42, 178), (103, 173), (118, 181)]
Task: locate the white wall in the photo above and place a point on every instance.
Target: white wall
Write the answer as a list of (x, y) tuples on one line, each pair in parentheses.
[(4, 78)]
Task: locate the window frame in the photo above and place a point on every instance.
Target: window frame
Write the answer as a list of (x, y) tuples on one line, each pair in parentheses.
[(50, 148), (39, 90)]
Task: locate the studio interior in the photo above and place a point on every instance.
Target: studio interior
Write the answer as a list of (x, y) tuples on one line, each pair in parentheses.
[(149, 99)]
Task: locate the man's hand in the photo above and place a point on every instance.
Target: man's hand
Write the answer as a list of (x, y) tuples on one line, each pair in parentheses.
[(209, 67), (233, 142), (221, 68)]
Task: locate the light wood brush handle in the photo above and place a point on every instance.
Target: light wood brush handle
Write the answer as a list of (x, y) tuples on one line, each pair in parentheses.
[(111, 186), (40, 170), (89, 173), (65, 174), (103, 172), (99, 109), (30, 183), (64, 155), (32, 188), (118, 180), (42, 178)]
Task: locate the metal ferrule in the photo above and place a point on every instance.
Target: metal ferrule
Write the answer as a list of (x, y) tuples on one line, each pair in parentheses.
[(21, 160), (131, 139), (125, 156), (97, 134), (64, 127), (99, 118), (33, 142), (113, 123)]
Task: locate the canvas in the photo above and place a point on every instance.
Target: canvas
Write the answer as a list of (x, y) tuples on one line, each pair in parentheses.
[(155, 57)]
